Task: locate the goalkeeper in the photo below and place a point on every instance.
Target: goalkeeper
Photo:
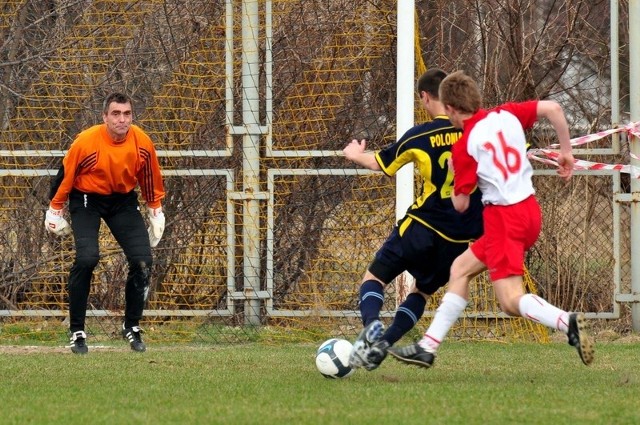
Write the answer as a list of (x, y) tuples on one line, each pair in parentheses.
[(98, 178), (427, 239)]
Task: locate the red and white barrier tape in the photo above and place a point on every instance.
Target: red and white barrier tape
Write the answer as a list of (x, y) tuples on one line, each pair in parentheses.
[(549, 154)]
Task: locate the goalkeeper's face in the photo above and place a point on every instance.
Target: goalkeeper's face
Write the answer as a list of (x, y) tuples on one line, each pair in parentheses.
[(118, 120)]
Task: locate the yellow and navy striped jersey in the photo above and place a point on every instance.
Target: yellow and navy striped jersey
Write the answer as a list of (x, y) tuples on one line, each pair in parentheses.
[(428, 146)]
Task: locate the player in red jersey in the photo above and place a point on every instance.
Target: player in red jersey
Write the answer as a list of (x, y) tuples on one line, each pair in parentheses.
[(98, 178), (491, 155)]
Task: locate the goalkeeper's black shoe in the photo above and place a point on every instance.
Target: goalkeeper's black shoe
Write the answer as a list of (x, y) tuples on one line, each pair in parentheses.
[(579, 338), (413, 354), (134, 336), (78, 343)]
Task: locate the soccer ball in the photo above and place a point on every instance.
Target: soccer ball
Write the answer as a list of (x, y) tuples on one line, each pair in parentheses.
[(332, 358)]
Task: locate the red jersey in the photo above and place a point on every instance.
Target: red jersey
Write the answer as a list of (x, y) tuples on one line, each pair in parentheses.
[(96, 164), (492, 153)]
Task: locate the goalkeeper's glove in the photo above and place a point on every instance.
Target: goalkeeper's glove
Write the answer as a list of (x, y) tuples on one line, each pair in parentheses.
[(55, 223), (156, 225)]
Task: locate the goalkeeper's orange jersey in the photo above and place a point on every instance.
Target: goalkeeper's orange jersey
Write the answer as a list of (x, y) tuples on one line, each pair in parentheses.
[(96, 164)]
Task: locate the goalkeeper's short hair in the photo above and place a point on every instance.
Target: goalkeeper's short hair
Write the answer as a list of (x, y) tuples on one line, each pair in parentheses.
[(115, 97)]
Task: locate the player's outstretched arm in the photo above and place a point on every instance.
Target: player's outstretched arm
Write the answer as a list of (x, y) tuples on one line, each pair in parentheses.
[(355, 152), (552, 111)]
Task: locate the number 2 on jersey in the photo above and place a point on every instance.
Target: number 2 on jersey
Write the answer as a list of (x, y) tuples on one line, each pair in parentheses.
[(507, 160), (447, 187)]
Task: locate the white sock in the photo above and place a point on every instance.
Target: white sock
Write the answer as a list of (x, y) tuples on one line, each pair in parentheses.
[(451, 307), (534, 308)]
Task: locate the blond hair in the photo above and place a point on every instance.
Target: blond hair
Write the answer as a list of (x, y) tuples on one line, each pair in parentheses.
[(460, 92)]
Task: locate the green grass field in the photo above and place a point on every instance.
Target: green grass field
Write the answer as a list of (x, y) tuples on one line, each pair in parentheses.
[(471, 383)]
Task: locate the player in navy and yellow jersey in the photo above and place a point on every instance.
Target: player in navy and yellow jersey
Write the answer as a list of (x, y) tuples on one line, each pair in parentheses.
[(98, 177), (428, 146), (427, 239)]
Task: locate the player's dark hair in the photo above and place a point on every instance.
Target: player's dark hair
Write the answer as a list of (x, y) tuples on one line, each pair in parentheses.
[(114, 97), (430, 82), (461, 92)]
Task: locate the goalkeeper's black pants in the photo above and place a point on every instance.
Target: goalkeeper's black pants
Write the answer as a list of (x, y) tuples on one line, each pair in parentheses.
[(121, 213)]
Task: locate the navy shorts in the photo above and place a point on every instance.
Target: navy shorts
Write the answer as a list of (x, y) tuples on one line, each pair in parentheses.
[(422, 252)]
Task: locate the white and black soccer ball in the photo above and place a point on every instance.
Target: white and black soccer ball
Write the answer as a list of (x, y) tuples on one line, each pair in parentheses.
[(332, 358)]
